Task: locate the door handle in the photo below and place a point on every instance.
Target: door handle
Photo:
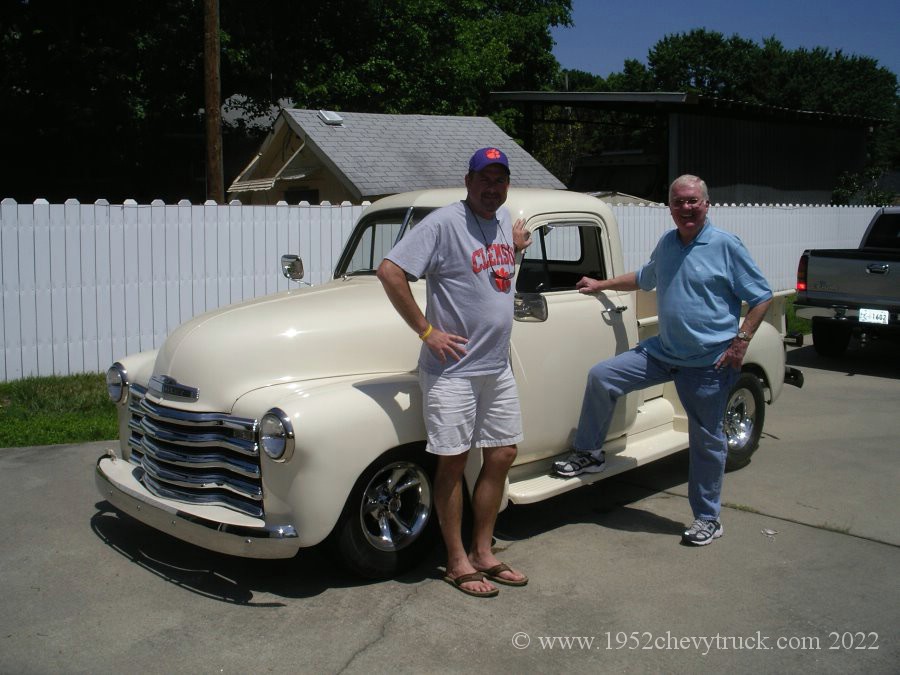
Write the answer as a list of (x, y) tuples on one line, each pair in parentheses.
[(875, 268)]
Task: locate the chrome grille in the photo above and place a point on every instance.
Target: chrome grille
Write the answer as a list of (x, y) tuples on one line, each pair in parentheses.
[(199, 458)]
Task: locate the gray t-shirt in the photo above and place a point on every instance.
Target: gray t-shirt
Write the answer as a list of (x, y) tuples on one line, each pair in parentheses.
[(468, 265)]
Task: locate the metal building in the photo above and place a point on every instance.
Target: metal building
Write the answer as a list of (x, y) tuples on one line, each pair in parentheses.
[(747, 153)]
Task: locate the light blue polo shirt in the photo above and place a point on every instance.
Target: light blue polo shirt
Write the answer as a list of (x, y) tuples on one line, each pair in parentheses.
[(699, 289)]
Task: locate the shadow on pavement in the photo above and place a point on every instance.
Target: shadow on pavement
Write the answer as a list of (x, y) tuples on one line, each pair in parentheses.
[(240, 581), (878, 358), (606, 503), (227, 578)]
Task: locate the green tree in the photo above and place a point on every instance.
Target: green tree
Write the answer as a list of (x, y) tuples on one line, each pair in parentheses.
[(95, 90), (104, 98), (862, 188), (706, 62), (634, 77), (703, 62), (710, 64)]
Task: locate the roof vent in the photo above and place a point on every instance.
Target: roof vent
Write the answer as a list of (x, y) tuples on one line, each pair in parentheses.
[(331, 118)]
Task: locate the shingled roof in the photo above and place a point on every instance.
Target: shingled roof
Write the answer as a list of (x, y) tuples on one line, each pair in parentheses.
[(376, 154)]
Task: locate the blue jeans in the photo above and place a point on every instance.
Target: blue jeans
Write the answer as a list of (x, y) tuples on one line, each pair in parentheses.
[(704, 394)]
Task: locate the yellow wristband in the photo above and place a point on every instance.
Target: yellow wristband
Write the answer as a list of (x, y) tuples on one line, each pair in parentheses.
[(424, 336)]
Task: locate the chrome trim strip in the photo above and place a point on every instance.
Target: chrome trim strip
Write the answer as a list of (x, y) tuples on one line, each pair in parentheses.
[(248, 448), (167, 387), (267, 542), (200, 481), (156, 488), (198, 486), (406, 218), (211, 460), (199, 419)]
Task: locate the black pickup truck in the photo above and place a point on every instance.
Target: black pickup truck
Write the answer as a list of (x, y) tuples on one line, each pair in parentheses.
[(853, 291)]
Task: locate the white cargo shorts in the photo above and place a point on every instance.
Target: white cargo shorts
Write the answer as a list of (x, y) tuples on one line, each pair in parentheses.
[(461, 411)]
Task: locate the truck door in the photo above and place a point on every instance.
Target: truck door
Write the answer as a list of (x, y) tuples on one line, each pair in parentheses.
[(560, 333)]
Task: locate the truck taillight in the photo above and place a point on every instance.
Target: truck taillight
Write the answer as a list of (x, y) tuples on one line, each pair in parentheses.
[(801, 272)]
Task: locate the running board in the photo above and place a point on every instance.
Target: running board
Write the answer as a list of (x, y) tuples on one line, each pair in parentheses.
[(535, 481)]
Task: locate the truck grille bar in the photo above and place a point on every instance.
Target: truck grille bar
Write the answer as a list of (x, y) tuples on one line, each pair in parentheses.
[(198, 458)]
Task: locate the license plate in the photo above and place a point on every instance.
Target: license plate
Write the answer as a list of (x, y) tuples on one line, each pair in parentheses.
[(873, 316)]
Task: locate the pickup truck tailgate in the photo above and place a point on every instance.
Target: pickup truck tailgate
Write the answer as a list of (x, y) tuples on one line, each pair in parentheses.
[(854, 277)]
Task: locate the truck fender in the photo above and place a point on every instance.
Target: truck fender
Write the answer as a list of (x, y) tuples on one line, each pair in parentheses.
[(356, 420), (765, 357)]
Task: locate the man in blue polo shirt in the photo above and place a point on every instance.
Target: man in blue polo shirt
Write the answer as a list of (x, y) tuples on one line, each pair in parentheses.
[(701, 276)]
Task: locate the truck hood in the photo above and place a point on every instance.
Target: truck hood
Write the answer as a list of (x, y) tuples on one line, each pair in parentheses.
[(344, 327)]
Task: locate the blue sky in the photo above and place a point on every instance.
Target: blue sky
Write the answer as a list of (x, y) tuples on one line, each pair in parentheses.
[(606, 33)]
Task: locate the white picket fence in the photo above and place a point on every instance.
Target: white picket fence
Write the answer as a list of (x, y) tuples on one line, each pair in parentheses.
[(85, 284)]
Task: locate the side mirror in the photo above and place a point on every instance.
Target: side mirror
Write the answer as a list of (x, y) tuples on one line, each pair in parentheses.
[(292, 267), (530, 307)]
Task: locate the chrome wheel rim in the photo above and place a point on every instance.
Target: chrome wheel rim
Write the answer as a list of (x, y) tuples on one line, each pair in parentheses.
[(740, 418), (396, 506)]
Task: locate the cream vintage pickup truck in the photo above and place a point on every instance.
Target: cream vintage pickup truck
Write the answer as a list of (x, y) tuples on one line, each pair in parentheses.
[(293, 420)]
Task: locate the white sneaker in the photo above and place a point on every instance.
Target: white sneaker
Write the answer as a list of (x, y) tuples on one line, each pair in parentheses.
[(580, 462), (702, 532)]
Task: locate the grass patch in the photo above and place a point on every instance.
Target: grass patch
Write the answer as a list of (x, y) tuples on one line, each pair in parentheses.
[(794, 323), (51, 410), (741, 507)]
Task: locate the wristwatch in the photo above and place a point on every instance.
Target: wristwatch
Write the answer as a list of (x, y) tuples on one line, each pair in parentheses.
[(745, 336)]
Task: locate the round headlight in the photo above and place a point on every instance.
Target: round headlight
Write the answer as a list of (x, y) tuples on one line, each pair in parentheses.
[(276, 435), (116, 382)]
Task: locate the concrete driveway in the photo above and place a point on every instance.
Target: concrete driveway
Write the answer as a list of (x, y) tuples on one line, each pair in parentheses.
[(805, 578)]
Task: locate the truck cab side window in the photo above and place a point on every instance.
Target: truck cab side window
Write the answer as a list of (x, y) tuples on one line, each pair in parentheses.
[(561, 254)]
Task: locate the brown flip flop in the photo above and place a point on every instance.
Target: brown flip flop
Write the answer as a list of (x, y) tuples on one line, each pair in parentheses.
[(474, 576), (493, 574)]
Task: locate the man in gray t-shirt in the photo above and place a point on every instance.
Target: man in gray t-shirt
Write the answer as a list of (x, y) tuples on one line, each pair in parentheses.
[(463, 258), (466, 253)]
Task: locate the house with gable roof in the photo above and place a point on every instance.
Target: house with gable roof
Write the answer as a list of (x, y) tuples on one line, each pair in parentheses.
[(323, 156)]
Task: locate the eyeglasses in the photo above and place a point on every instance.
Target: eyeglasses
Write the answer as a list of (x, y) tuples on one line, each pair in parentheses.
[(693, 201)]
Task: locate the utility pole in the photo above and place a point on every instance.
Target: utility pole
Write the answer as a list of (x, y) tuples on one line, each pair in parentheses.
[(215, 182)]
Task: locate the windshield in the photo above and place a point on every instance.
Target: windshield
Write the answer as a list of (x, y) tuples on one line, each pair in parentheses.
[(373, 237)]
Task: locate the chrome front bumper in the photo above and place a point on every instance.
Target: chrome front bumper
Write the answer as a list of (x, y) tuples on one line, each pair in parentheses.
[(245, 537)]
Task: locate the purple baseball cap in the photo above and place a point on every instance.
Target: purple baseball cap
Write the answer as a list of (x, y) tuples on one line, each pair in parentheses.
[(487, 156)]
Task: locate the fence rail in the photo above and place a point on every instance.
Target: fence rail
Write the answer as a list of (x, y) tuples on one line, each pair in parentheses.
[(84, 284)]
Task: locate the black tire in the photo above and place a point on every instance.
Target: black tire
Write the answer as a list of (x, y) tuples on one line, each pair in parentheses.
[(830, 338), (388, 524), (745, 414)]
